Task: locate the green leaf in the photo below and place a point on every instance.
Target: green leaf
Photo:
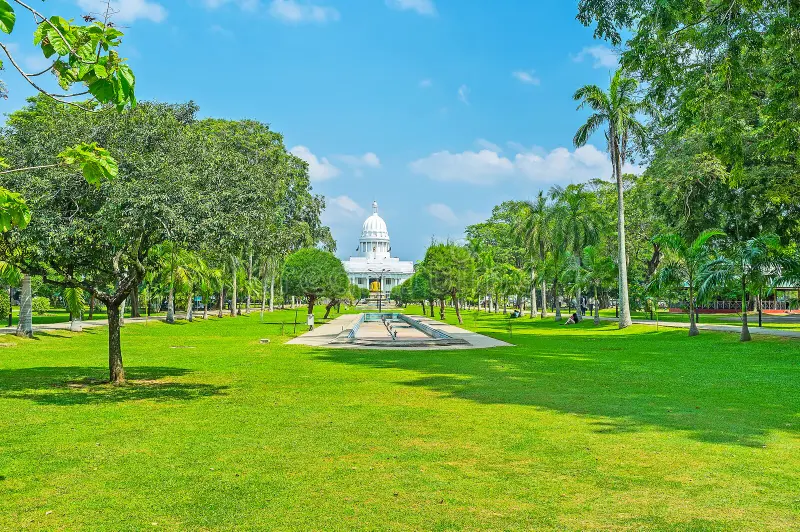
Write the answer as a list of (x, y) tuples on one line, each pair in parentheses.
[(103, 90), (13, 211), (100, 71), (95, 162), (7, 17)]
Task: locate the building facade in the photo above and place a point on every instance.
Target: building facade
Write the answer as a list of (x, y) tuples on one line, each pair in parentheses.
[(374, 267)]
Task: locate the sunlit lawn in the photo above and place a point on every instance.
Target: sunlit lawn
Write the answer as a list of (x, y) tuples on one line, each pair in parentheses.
[(769, 322), (574, 428), (55, 316)]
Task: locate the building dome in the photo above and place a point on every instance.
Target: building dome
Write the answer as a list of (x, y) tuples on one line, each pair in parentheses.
[(374, 227)]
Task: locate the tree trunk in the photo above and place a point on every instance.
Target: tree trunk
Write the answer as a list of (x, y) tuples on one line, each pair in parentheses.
[(430, 306), (332, 303), (205, 307), (745, 336), (578, 304), (25, 325), (122, 312), (263, 297), (171, 304), (760, 308), (693, 330), (91, 307), (311, 301), (221, 303), (596, 308), (458, 311), (115, 368), (544, 299), (423, 307), (190, 307), (624, 300), (533, 293), (249, 283), (234, 288), (557, 303), (441, 309), (135, 303), (272, 293)]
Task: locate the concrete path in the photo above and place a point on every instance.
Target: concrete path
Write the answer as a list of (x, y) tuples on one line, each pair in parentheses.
[(715, 327), (324, 335), (86, 324)]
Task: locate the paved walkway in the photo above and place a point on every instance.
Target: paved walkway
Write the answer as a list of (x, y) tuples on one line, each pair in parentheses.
[(86, 324), (715, 327), (324, 336)]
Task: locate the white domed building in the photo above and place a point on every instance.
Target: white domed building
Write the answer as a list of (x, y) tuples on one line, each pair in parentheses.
[(374, 267)]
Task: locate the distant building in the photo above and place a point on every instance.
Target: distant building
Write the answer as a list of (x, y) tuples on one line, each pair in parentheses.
[(374, 267)]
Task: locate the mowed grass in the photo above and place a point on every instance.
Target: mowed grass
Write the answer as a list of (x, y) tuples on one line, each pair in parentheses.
[(779, 321), (573, 428)]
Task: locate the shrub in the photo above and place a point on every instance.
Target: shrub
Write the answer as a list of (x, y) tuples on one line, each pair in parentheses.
[(40, 305), (5, 305)]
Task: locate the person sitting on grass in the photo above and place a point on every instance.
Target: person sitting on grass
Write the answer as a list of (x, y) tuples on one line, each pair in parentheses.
[(572, 319)]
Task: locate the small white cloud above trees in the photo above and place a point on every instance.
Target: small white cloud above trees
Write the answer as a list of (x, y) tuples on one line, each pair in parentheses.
[(319, 169), (443, 213), (527, 77), (463, 94), (423, 7), (125, 11), (299, 12), (487, 166), (603, 56)]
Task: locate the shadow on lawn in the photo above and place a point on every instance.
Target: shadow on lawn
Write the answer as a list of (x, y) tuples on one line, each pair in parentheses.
[(713, 388), (66, 386)]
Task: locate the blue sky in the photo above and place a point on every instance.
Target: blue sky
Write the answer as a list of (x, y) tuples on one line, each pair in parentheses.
[(437, 109)]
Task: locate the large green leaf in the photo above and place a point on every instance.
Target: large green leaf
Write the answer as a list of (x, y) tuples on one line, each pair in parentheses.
[(7, 17), (95, 162)]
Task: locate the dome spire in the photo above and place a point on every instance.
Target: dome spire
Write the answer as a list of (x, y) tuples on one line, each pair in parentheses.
[(375, 207)]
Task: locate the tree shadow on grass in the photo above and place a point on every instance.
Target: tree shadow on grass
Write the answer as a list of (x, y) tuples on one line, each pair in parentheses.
[(711, 388), (67, 386)]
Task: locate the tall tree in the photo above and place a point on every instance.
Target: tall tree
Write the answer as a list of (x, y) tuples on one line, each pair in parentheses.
[(576, 224), (451, 269), (618, 111)]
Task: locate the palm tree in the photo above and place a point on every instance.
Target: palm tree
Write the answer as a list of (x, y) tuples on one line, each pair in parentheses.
[(744, 262), (576, 224), (598, 271), (534, 232), (685, 263), (617, 109)]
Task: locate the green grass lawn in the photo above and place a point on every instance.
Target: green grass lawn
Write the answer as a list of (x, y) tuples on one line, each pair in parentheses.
[(714, 319), (573, 428)]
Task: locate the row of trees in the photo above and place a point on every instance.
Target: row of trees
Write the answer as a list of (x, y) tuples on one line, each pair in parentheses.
[(199, 207)]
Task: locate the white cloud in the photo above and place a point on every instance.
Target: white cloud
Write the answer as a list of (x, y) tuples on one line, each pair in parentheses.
[(126, 11), (487, 167), (344, 207), (442, 212), (463, 94), (425, 84), (319, 169), (296, 12), (359, 162), (488, 145), (245, 5), (603, 56), (481, 168), (423, 7), (368, 160), (526, 77)]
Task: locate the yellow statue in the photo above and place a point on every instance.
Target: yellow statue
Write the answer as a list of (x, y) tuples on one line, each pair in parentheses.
[(375, 286)]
